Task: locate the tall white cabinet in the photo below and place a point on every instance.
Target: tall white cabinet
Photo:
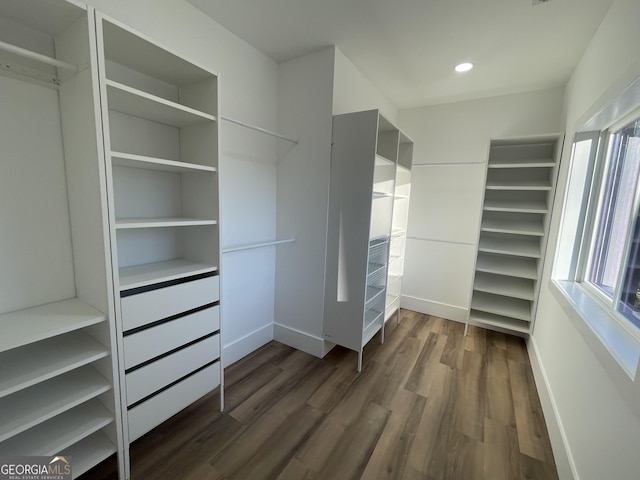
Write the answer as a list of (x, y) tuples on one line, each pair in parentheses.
[(161, 141), (59, 387), (363, 198), (519, 190), (109, 247)]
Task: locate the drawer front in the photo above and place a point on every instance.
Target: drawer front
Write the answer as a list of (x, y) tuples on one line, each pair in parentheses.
[(146, 380), (143, 308), (147, 344), (156, 410)]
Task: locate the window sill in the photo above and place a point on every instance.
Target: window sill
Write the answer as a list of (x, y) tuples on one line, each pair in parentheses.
[(604, 335)]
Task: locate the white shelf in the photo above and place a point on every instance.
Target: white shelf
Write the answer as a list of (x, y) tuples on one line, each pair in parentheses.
[(519, 247), (150, 273), (392, 279), (89, 452), (129, 223), (371, 315), (373, 293), (34, 363), (511, 266), (30, 407), (391, 299), (38, 323), (499, 305), (506, 286), (518, 185), (375, 268), (132, 101), (529, 163), (383, 161), (517, 205), (151, 163), (489, 319), (512, 226), (382, 195), (62, 431)]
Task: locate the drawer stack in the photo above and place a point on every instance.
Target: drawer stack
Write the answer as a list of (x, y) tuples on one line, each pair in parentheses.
[(171, 348)]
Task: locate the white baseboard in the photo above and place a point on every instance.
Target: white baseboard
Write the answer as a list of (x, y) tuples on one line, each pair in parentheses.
[(561, 451), (437, 309), (300, 340), (245, 345)]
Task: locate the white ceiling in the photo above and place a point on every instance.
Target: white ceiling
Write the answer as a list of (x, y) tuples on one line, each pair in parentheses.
[(408, 48)]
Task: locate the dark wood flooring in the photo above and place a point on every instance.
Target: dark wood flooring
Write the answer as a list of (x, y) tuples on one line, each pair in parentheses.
[(429, 404)]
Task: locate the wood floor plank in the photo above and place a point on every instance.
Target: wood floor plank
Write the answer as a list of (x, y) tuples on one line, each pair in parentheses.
[(501, 452), (390, 455), (271, 393), (353, 449), (470, 398), (398, 371), (421, 377), (270, 458), (295, 470), (499, 399), (453, 352), (436, 421), (532, 433)]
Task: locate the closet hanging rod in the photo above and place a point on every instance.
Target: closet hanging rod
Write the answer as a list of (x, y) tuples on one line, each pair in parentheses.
[(258, 129), (23, 52), (258, 245)]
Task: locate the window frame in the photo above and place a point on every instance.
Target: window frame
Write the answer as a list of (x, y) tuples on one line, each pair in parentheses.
[(586, 304)]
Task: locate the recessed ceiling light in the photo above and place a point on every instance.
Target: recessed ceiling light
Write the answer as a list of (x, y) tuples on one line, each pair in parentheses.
[(464, 67)]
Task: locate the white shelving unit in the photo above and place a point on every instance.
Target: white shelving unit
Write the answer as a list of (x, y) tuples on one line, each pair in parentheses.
[(518, 198), (161, 136), (368, 204), (59, 388)]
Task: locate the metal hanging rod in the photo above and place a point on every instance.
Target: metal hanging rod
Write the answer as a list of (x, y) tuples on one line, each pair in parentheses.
[(23, 52), (258, 245), (258, 129)]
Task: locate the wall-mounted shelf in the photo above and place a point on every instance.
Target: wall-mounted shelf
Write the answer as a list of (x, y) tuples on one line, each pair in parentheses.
[(151, 163), (150, 273)]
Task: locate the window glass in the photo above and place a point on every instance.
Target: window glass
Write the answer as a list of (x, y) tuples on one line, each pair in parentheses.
[(617, 199)]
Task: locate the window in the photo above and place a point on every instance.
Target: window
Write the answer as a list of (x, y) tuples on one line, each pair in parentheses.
[(605, 248)]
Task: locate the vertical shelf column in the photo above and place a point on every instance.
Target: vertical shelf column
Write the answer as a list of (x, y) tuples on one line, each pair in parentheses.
[(160, 116), (518, 199), (362, 204)]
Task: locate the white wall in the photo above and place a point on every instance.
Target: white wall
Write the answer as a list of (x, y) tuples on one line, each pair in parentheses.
[(249, 92), (591, 407), (353, 92), (450, 155), (305, 93)]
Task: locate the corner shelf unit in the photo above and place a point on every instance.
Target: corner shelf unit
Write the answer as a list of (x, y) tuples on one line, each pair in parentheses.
[(59, 388), (519, 190), (161, 137), (368, 203)]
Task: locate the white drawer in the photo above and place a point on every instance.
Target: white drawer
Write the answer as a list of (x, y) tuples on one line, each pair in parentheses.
[(146, 380), (157, 409), (147, 344), (147, 307)]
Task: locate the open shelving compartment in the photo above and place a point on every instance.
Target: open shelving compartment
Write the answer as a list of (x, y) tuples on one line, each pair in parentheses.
[(368, 205), (59, 390), (520, 182), (160, 118)]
